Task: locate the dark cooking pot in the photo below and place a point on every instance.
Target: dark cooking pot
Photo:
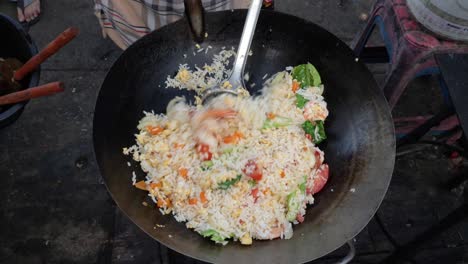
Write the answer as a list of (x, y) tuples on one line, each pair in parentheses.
[(16, 43), (360, 148)]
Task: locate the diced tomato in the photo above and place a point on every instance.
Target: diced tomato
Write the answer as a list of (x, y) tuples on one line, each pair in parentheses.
[(300, 218), (321, 178), (252, 170), (318, 160), (309, 137), (254, 194), (204, 151)]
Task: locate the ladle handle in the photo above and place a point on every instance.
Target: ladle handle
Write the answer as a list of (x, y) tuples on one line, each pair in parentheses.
[(246, 40)]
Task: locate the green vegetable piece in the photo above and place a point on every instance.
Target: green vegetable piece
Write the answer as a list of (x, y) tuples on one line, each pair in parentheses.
[(300, 101), (252, 182), (225, 185), (268, 124), (307, 75), (214, 236), (309, 128), (208, 233), (206, 165), (302, 186), (228, 150), (277, 122), (293, 206)]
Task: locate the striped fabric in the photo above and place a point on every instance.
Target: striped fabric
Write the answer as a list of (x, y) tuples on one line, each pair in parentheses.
[(125, 21)]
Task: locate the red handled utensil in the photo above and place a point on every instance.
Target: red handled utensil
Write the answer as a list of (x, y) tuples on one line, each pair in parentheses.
[(63, 39), (34, 92)]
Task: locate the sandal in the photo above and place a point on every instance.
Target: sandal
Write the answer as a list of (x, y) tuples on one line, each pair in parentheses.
[(22, 4)]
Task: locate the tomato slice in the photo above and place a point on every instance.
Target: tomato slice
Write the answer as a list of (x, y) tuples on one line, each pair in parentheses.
[(300, 218), (320, 179), (251, 170), (318, 160), (204, 151)]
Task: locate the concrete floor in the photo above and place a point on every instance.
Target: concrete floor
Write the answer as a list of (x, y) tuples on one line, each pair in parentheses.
[(55, 208)]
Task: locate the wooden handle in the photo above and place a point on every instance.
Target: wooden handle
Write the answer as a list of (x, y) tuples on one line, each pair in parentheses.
[(34, 92), (48, 51), (196, 18)]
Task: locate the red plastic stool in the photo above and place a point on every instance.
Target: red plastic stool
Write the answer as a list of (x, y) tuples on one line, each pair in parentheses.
[(409, 47)]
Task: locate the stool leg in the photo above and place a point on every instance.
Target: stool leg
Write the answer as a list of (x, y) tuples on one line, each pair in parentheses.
[(364, 35), (420, 131), (405, 67)]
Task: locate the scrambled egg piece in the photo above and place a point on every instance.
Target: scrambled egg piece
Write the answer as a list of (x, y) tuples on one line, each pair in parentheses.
[(227, 85), (246, 239), (183, 75)]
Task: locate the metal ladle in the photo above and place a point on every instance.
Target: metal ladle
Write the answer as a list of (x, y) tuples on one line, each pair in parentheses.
[(236, 79)]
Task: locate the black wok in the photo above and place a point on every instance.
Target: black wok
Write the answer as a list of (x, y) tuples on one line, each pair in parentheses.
[(360, 148)]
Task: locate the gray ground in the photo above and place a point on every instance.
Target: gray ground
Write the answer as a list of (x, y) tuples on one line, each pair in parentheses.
[(55, 208)]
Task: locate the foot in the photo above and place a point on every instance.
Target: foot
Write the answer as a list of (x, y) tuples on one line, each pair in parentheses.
[(30, 12)]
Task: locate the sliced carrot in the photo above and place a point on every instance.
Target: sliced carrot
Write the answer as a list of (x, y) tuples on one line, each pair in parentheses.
[(295, 86), (163, 202), (234, 138), (203, 197), (155, 185), (192, 201), (183, 172), (168, 202), (282, 174), (141, 185), (239, 134), (230, 139), (178, 146), (271, 116), (154, 130), (160, 203)]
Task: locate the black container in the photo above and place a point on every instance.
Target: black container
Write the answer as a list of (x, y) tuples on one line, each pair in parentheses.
[(16, 43)]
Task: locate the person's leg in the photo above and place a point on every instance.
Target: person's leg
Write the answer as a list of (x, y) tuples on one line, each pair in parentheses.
[(124, 21), (28, 10)]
